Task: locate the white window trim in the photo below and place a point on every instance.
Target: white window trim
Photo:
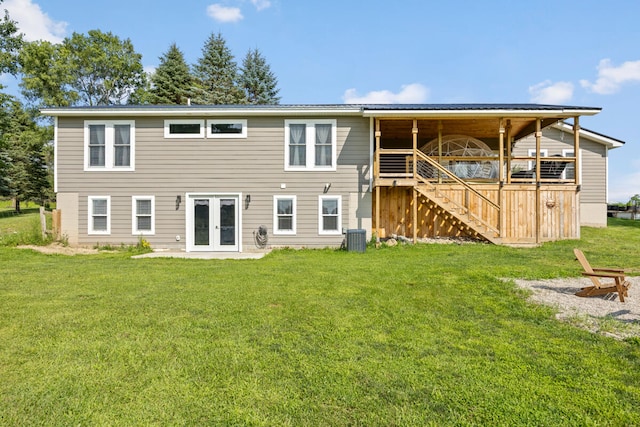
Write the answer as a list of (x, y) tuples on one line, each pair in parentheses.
[(277, 231), (134, 216), (532, 153), (109, 139), (90, 229), (241, 135), (310, 141), (185, 122), (329, 232), (565, 152)]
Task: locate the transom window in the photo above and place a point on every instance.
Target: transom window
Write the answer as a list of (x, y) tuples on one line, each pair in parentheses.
[(109, 145), (99, 215), (310, 145), (143, 215), (284, 215), (184, 128), (226, 128), (330, 215)]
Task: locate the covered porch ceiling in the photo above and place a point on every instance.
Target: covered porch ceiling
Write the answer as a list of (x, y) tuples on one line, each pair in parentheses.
[(482, 121)]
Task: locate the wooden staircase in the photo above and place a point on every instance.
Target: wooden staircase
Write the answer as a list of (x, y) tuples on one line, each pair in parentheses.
[(458, 215)]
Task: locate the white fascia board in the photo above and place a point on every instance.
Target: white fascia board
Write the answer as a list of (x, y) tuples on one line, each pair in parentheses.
[(482, 113), (199, 112), (601, 139)]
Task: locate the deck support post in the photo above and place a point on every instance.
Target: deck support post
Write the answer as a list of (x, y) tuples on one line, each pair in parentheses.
[(577, 167), (576, 149), (439, 149), (414, 213), (509, 142), (538, 204), (501, 175), (376, 172)]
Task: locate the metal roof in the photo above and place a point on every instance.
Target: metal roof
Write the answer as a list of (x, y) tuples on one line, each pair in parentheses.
[(367, 110)]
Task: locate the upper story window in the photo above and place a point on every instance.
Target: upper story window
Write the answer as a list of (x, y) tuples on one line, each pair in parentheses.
[(226, 128), (109, 145), (184, 128), (310, 145)]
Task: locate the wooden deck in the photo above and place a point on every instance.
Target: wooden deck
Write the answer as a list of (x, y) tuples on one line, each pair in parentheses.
[(420, 196), (528, 214)]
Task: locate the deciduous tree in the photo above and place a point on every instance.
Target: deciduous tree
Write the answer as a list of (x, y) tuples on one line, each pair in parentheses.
[(94, 69), (10, 43)]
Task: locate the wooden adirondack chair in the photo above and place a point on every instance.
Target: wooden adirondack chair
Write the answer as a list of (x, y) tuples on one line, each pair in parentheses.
[(619, 284)]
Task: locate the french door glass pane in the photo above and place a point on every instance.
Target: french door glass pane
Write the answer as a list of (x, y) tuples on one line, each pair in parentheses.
[(201, 222), (227, 222)]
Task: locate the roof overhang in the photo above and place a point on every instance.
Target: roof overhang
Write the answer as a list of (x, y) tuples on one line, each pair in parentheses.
[(482, 111), (199, 111)]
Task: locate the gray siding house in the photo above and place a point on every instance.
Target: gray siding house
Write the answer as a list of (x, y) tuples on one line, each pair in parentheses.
[(241, 178), (212, 179)]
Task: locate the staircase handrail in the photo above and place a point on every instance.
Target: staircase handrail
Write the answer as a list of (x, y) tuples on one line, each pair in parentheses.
[(438, 166)]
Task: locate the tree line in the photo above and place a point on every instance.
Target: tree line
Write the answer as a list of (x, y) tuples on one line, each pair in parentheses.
[(99, 68)]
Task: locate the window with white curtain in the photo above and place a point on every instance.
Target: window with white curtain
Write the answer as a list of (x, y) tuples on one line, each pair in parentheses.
[(143, 215), (99, 215), (330, 215), (284, 214), (310, 145), (109, 145)]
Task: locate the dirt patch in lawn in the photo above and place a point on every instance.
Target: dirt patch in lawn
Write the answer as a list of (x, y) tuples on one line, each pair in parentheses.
[(57, 248)]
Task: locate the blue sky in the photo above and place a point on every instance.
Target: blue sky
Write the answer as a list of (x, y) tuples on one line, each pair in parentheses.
[(570, 52)]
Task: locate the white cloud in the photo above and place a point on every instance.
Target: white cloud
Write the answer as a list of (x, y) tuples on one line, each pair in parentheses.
[(547, 92), (414, 93), (33, 22), (224, 14), (261, 4), (611, 78)]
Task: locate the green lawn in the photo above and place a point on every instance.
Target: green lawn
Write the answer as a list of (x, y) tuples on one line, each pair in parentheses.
[(424, 335)]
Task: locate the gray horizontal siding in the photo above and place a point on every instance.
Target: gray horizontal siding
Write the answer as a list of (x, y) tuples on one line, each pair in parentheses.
[(594, 173), (165, 168)]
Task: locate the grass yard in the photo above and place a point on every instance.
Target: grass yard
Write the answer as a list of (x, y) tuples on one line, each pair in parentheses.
[(410, 335)]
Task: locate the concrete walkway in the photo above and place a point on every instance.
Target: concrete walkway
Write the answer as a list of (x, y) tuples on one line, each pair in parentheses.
[(203, 255)]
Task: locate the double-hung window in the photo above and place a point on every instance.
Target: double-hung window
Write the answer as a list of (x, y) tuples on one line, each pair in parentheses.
[(284, 214), (109, 145), (99, 218), (330, 215), (310, 145), (143, 215), (570, 170)]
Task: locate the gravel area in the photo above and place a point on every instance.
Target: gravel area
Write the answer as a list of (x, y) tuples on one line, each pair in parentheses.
[(601, 314)]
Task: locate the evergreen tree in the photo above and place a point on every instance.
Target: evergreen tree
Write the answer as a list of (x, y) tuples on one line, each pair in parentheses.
[(22, 148), (172, 80), (257, 80), (216, 75)]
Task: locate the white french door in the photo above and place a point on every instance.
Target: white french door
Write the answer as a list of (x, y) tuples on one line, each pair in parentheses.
[(213, 222)]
